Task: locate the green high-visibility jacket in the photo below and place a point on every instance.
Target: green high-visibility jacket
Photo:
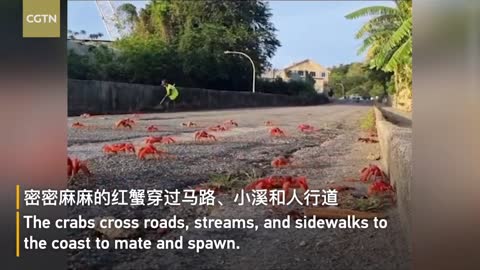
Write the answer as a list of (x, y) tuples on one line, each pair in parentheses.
[(172, 91)]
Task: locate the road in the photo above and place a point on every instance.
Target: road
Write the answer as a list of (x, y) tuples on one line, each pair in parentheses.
[(328, 155)]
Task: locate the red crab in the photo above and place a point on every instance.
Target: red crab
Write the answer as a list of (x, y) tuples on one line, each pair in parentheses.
[(218, 128), (126, 123), (367, 140), (149, 149), (280, 162), (306, 128), (383, 189), (74, 166), (152, 128), (119, 147), (203, 135), (160, 139), (277, 132), (275, 182), (230, 123), (128, 147), (85, 115), (380, 186), (189, 124), (78, 125), (125, 147), (110, 149), (372, 170)]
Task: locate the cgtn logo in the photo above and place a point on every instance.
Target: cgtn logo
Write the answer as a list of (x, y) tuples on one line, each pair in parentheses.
[(41, 18)]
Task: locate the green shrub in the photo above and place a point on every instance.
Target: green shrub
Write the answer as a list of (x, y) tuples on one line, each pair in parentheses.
[(281, 87)]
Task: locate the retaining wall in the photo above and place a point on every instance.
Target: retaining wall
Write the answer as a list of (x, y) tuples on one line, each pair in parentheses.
[(101, 97), (396, 152)]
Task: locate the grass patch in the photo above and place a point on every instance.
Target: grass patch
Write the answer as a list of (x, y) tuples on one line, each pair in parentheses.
[(367, 123), (223, 181), (250, 175), (231, 181), (374, 204)]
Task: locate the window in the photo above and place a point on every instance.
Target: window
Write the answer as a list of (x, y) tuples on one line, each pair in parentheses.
[(313, 74), (300, 72), (323, 74)]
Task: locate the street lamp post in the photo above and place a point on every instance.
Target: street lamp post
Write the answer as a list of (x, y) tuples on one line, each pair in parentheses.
[(251, 61), (343, 89)]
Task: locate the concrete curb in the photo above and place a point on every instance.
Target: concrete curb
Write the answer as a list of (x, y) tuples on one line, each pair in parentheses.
[(396, 152)]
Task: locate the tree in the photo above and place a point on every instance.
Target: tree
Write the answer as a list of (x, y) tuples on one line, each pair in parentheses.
[(70, 34), (78, 65), (184, 42), (309, 79), (149, 60), (387, 38), (130, 12), (198, 33), (128, 17), (358, 79), (74, 34), (279, 86)]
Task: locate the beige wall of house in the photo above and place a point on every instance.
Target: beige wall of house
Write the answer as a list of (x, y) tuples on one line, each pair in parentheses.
[(299, 71)]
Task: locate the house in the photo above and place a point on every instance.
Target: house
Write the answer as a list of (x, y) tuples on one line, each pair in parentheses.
[(272, 74), (299, 71)]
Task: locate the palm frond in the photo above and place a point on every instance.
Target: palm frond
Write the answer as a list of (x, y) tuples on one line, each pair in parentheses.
[(367, 43), (381, 22), (372, 11), (403, 55), (404, 31), (374, 41), (387, 37)]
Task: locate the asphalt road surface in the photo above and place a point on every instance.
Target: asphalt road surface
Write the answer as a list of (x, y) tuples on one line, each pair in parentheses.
[(329, 155)]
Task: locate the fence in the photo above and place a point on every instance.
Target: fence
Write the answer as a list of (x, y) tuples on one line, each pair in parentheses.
[(102, 97)]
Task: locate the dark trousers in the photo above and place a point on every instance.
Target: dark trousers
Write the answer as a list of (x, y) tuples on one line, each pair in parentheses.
[(169, 105)]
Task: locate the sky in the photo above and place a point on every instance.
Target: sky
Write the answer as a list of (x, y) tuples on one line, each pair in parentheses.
[(315, 30)]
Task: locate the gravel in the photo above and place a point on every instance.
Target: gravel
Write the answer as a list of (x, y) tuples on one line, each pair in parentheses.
[(329, 154)]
